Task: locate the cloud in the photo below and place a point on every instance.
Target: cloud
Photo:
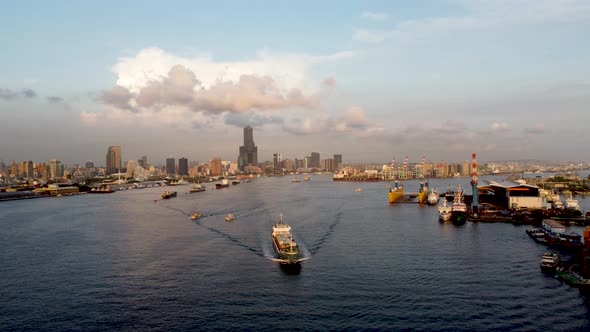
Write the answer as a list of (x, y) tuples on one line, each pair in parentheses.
[(374, 16), (353, 121), (482, 14), (8, 94), (55, 99), (88, 119), (539, 129), (369, 36), (499, 126), (117, 96), (255, 120)]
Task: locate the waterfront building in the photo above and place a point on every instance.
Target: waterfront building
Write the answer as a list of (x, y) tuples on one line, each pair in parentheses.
[(216, 168), (183, 166), (131, 166), (288, 164), (249, 151), (170, 166), (315, 160), (337, 162), (114, 161)]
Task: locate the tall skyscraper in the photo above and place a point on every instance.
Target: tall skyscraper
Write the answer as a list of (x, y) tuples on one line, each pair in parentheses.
[(277, 161), (28, 169), (249, 151), (183, 166), (216, 167), (89, 164), (337, 162), (56, 169), (114, 161), (315, 160), (170, 166)]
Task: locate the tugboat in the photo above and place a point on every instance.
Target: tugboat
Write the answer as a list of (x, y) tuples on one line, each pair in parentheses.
[(550, 262), (285, 246), (196, 215), (396, 193), (224, 184), (230, 217), (168, 194), (196, 188)]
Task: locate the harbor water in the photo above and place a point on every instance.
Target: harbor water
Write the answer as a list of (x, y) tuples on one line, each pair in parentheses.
[(131, 261)]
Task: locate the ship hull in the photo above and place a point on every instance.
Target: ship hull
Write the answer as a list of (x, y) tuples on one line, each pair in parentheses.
[(396, 195), (221, 186), (458, 217)]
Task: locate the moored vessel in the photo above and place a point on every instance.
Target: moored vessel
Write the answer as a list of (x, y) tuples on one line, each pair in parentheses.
[(433, 197), (101, 190), (423, 193), (396, 193), (287, 250), (459, 209), (444, 212), (549, 262)]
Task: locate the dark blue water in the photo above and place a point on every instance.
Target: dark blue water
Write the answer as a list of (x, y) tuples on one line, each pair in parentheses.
[(124, 262)]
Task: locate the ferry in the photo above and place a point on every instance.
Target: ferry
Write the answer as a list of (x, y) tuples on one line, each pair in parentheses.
[(168, 194), (396, 193), (285, 246), (550, 262), (444, 212), (223, 184), (196, 188)]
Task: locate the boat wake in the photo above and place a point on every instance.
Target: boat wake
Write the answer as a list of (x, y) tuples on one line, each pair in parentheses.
[(330, 229)]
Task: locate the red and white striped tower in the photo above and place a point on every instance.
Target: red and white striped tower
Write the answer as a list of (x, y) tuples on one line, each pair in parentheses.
[(474, 181), (406, 168)]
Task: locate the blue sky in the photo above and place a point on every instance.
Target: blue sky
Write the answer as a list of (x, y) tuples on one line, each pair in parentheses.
[(505, 79)]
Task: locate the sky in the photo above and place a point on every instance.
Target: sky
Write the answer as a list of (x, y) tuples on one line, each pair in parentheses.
[(373, 81)]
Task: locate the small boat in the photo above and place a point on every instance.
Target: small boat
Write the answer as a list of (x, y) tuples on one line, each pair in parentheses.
[(284, 244), (396, 193), (537, 235), (433, 197), (223, 184), (230, 217), (306, 178), (168, 194), (248, 181), (444, 211), (196, 188), (235, 182), (358, 190), (196, 215), (550, 262), (295, 180)]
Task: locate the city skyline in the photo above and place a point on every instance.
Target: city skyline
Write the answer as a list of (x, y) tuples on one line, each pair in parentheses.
[(371, 81)]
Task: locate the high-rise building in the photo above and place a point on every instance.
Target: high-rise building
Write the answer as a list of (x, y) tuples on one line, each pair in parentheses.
[(307, 162), (28, 169), (89, 164), (183, 166), (337, 162), (249, 151), (143, 162), (315, 160), (216, 169), (56, 169), (277, 161), (288, 164), (170, 166), (42, 170), (114, 161), (14, 168)]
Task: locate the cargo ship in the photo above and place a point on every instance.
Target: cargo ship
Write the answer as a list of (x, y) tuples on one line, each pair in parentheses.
[(355, 177), (396, 193), (285, 246), (423, 193), (168, 194)]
